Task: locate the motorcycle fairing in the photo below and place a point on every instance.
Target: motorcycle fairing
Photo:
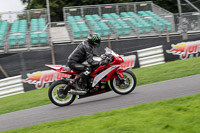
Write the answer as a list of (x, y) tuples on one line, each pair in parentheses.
[(62, 69), (120, 70), (103, 74), (54, 67), (96, 92)]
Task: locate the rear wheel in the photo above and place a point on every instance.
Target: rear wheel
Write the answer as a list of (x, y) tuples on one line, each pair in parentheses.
[(58, 95), (126, 85)]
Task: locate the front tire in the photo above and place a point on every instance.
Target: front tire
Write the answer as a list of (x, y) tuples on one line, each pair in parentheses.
[(57, 97), (127, 86)]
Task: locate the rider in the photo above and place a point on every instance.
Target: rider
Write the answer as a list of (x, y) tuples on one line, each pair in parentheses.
[(84, 52)]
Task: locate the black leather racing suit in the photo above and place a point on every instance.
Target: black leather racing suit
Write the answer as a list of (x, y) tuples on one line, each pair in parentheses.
[(83, 52)]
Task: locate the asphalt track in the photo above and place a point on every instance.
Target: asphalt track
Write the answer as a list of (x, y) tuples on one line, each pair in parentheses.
[(100, 103)]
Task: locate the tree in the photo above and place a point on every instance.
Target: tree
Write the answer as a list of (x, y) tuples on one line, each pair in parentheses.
[(56, 6)]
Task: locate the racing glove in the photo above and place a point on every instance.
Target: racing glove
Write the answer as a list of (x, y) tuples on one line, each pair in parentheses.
[(103, 62), (103, 56)]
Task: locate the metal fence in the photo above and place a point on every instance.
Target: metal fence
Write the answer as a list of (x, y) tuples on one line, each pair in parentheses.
[(190, 21), (23, 30), (107, 8), (118, 8)]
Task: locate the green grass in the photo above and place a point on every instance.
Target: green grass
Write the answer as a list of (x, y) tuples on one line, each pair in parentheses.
[(180, 115), (171, 70), (167, 71), (24, 101)]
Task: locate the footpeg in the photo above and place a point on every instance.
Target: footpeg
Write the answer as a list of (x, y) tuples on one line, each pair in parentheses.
[(75, 92)]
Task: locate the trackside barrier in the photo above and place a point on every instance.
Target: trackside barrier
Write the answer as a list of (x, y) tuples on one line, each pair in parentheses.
[(151, 56), (11, 86)]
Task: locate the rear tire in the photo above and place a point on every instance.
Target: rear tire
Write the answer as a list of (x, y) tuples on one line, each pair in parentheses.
[(59, 99), (128, 86)]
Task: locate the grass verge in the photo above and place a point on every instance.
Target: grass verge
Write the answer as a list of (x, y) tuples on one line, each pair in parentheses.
[(170, 70), (180, 115)]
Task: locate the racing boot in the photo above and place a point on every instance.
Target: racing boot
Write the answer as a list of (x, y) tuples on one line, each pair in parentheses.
[(81, 80), (78, 89), (78, 84)]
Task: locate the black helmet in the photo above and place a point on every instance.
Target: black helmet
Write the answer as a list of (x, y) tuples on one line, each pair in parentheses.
[(94, 39)]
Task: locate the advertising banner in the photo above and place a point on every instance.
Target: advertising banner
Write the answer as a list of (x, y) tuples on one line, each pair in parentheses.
[(183, 50), (41, 79), (129, 61), (134, 56)]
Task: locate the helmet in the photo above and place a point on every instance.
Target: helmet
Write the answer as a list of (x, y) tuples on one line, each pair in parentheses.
[(94, 39)]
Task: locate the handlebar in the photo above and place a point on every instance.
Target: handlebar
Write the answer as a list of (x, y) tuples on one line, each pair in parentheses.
[(109, 58)]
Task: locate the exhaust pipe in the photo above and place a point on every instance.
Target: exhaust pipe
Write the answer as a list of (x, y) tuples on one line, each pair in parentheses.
[(75, 92)]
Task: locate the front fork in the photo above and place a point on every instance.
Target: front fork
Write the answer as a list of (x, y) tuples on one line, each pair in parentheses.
[(119, 73), (120, 76), (123, 81)]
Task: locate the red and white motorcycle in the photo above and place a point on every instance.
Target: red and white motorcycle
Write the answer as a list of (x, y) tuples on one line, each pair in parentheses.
[(122, 81)]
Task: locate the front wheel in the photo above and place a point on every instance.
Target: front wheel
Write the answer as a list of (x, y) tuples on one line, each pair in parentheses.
[(126, 84), (58, 95)]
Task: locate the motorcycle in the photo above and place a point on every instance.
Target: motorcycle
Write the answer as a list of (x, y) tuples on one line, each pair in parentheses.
[(102, 79)]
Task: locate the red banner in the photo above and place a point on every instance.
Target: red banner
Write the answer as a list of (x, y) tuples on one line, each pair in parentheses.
[(185, 49), (40, 78)]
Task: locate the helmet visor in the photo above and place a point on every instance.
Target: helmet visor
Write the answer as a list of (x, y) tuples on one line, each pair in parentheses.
[(97, 43)]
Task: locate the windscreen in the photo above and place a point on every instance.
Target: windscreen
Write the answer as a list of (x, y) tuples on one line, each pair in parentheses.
[(109, 51)]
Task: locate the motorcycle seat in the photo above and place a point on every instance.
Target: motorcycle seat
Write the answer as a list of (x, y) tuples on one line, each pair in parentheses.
[(66, 68)]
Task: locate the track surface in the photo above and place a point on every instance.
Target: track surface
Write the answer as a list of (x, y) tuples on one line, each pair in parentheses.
[(100, 103)]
